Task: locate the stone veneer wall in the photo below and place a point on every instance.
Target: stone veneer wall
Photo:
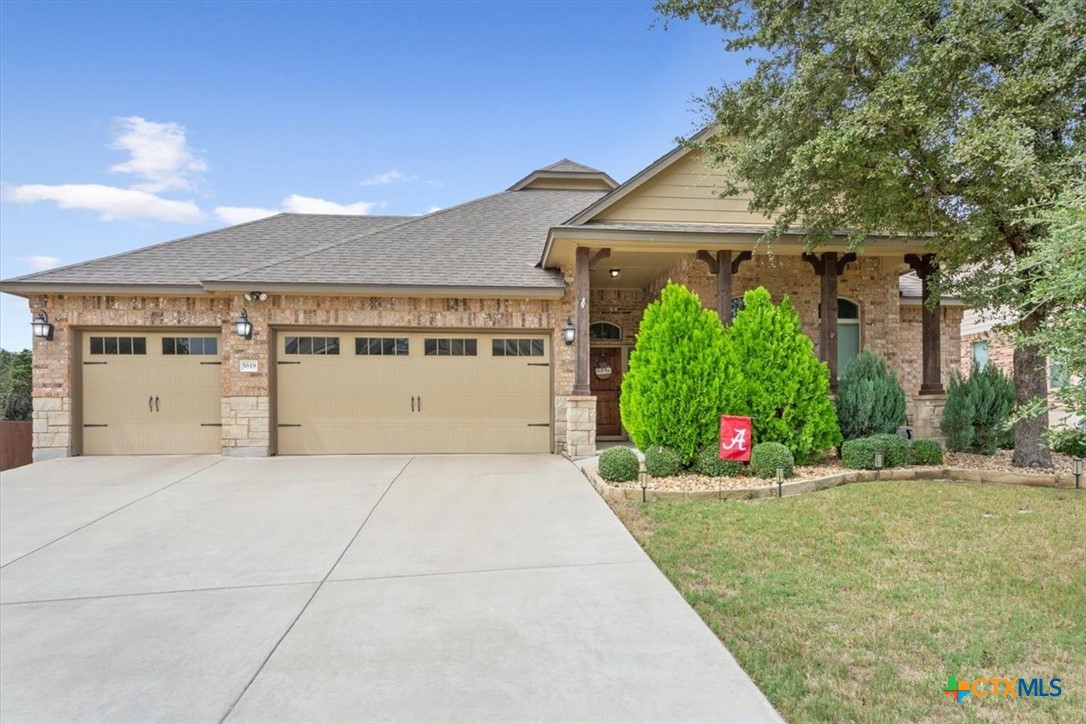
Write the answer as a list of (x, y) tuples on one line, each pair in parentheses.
[(246, 398)]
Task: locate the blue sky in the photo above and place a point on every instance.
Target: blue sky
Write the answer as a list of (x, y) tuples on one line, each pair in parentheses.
[(126, 124)]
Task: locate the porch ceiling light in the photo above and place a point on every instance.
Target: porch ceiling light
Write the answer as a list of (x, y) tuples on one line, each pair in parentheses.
[(615, 272), (569, 332), (42, 328), (243, 326)]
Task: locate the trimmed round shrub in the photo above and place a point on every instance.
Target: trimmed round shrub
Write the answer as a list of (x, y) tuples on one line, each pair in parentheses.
[(619, 465), (766, 457), (870, 400), (926, 452), (662, 461), (708, 462), (1068, 441), (672, 392), (776, 379), (859, 454)]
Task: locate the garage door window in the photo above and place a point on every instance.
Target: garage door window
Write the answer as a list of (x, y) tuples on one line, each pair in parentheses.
[(118, 345), (517, 348), (385, 346), (447, 347), (190, 345), (311, 345)]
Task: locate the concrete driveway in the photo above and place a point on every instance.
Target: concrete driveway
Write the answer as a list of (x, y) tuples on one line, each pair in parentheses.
[(470, 588)]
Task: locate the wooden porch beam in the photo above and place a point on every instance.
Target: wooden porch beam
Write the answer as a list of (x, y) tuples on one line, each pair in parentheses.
[(580, 297), (597, 258), (925, 267)]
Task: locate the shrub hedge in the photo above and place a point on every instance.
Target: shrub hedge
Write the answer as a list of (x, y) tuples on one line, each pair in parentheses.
[(859, 454), (926, 452), (708, 462), (619, 465), (662, 461), (766, 457)]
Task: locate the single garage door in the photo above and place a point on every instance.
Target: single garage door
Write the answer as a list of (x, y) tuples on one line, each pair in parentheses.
[(399, 392), (151, 393)]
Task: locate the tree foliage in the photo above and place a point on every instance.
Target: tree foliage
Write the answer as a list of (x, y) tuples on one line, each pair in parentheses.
[(777, 380), (939, 118), (1057, 264), (671, 394), (869, 398), (16, 371)]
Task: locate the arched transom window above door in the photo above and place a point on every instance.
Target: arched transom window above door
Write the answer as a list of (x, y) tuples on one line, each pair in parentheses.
[(604, 331)]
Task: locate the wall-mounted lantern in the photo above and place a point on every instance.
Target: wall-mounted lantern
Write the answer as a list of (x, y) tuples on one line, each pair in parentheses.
[(243, 326), (42, 328), (569, 332)]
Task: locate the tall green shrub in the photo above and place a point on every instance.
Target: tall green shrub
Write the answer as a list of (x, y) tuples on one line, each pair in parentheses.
[(870, 399), (671, 394), (776, 380), (977, 410)]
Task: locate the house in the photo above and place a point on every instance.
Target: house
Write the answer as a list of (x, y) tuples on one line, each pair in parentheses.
[(500, 325), (986, 342)]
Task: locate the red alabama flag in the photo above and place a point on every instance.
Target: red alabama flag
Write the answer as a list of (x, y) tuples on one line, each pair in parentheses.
[(735, 438)]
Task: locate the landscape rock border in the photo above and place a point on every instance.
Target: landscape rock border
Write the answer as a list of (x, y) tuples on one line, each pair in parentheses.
[(609, 492)]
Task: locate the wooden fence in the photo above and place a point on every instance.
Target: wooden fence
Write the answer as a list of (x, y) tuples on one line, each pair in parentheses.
[(16, 447)]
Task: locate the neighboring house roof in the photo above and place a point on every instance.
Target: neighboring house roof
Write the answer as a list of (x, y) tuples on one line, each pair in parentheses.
[(911, 290), (190, 260)]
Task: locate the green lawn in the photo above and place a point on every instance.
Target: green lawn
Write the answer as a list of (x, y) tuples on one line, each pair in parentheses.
[(856, 603)]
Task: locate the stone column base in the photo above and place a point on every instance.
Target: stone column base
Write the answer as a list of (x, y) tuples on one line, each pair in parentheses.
[(926, 414), (52, 431), (580, 426)]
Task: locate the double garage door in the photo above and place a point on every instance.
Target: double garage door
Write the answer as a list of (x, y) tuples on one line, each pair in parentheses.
[(399, 392), (335, 392)]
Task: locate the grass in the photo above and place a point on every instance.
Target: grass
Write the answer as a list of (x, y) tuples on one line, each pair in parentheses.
[(856, 603)]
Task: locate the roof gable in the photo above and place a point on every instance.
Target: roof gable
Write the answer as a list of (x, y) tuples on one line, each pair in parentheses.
[(679, 188), (568, 175)]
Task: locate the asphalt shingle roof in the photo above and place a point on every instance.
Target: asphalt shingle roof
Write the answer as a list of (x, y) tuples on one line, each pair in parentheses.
[(193, 259), (491, 242), (567, 166)]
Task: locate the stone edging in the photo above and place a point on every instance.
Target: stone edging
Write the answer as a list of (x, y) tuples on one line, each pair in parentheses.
[(1056, 480)]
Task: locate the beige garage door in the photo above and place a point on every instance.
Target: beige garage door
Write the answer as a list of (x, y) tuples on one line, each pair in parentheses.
[(151, 393), (393, 392)]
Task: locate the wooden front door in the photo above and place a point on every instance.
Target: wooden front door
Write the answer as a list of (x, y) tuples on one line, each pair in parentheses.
[(605, 373)]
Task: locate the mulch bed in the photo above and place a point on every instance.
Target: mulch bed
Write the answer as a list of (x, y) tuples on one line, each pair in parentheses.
[(693, 482)]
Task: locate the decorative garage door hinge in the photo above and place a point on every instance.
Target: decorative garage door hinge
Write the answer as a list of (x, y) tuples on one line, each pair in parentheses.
[(211, 363), (539, 364), (288, 424), (87, 424), (281, 362), (210, 424), (539, 424), (96, 363)]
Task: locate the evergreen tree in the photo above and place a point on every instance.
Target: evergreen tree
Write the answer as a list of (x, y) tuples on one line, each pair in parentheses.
[(671, 394), (869, 398), (776, 380)]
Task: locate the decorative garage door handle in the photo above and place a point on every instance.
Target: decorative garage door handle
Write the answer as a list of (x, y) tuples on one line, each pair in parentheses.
[(412, 403), (156, 403), (151, 403), (420, 403)]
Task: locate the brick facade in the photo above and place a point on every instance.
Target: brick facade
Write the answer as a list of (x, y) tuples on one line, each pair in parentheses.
[(888, 328)]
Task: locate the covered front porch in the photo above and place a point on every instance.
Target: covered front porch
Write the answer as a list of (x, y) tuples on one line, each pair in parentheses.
[(846, 301)]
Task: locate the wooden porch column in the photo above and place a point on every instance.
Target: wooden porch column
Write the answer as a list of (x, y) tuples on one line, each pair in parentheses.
[(925, 266), (580, 292), (828, 267), (725, 268)]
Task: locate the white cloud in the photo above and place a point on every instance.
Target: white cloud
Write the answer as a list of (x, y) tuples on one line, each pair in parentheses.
[(241, 214), (40, 263), (160, 155), (388, 177), (296, 204), (110, 201)]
